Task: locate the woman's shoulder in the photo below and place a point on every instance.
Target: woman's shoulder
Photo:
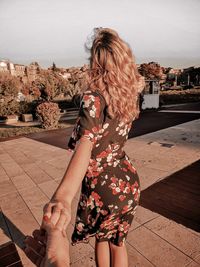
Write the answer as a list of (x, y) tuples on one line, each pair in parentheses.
[(94, 95)]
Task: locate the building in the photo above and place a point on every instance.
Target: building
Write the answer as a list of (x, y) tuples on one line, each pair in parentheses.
[(19, 70), (7, 66), (32, 71), (25, 73)]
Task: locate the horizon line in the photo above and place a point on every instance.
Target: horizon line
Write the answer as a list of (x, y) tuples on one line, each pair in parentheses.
[(139, 61)]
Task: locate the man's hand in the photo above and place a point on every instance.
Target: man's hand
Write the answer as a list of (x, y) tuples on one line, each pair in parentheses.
[(48, 247), (59, 214)]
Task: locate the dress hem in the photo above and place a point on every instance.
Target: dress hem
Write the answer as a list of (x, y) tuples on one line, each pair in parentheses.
[(86, 241)]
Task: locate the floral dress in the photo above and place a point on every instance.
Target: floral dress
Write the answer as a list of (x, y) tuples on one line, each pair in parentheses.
[(111, 188)]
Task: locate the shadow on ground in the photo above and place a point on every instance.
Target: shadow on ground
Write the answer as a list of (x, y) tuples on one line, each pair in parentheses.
[(177, 197), (8, 252), (11, 231)]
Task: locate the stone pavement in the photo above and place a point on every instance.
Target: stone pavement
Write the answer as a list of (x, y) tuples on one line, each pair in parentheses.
[(30, 172)]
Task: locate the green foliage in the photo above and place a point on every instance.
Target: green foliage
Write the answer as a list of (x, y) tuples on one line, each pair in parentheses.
[(48, 113), (151, 70), (78, 82), (51, 84), (179, 96), (9, 85), (9, 107), (31, 89)]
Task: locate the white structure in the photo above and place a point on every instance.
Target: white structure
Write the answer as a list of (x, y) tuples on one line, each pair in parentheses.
[(7, 66), (4, 65), (151, 94), (20, 97)]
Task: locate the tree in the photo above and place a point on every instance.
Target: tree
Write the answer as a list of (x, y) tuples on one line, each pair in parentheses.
[(54, 67), (9, 86), (190, 76), (51, 84), (151, 70), (31, 89), (78, 81)]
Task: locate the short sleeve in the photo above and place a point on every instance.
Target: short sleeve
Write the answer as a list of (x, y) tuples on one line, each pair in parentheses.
[(90, 118)]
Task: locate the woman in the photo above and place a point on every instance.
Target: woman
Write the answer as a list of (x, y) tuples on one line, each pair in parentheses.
[(110, 184)]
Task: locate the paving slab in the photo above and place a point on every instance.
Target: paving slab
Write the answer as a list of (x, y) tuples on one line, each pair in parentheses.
[(177, 235), (12, 202), (136, 259), (36, 174), (12, 169), (155, 249), (6, 187), (48, 188), (51, 170), (34, 197), (23, 181)]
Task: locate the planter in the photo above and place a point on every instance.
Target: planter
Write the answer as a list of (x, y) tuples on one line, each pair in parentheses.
[(10, 119), (27, 117)]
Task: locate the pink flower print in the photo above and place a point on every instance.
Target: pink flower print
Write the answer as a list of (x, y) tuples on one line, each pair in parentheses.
[(122, 185), (130, 166), (125, 209), (122, 197), (104, 212), (97, 106), (124, 227), (93, 183)]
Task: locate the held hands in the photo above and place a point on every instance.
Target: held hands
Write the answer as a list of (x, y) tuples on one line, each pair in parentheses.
[(48, 247), (59, 213)]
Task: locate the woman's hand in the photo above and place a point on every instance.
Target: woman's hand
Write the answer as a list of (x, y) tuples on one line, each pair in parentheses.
[(59, 214)]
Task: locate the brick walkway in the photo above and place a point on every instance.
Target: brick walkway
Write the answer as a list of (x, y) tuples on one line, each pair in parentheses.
[(30, 171)]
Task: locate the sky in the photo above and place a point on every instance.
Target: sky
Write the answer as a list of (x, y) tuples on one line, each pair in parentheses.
[(47, 31)]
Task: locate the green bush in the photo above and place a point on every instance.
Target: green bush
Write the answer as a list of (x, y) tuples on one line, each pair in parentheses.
[(9, 107), (28, 107), (49, 114), (179, 96)]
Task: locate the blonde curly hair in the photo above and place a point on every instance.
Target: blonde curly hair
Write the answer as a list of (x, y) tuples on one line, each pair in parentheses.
[(113, 73)]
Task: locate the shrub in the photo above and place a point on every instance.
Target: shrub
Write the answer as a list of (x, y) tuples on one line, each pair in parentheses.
[(27, 107), (179, 96), (48, 113), (50, 85), (9, 85), (9, 107)]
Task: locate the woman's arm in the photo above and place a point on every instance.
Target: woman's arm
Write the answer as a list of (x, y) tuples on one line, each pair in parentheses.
[(75, 172), (64, 194), (90, 118)]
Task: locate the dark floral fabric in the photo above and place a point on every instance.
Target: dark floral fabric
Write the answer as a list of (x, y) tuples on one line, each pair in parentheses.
[(111, 187)]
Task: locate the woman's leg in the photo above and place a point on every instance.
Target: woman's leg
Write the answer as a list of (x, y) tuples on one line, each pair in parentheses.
[(119, 256), (102, 254)]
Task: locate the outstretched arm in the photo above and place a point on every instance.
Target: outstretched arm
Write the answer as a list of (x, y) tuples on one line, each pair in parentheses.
[(91, 116), (64, 194), (75, 172)]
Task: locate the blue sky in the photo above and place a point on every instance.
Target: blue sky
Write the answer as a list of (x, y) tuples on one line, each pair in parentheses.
[(55, 30)]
